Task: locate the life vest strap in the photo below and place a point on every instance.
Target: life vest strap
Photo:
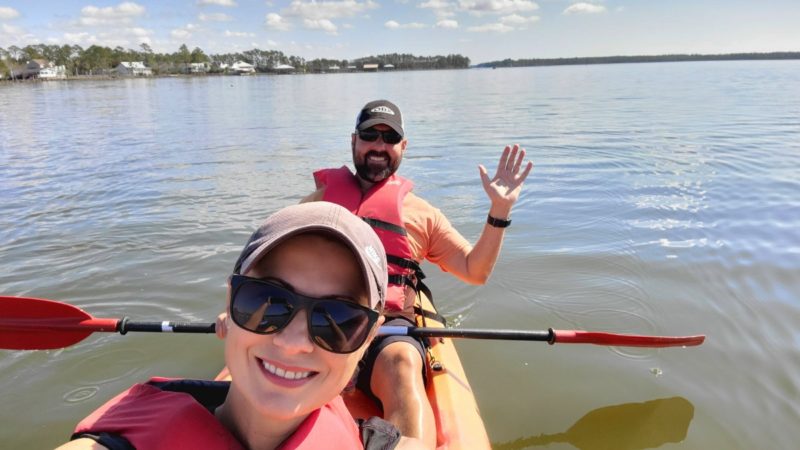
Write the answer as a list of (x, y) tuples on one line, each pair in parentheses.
[(375, 223), (406, 263), (402, 280)]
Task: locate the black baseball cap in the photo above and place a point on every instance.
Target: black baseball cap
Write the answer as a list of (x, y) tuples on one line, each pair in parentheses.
[(380, 111)]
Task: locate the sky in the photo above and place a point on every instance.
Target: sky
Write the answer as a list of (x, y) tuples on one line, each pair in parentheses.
[(483, 30)]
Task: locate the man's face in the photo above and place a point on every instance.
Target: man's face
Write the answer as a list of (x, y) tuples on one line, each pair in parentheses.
[(377, 160)]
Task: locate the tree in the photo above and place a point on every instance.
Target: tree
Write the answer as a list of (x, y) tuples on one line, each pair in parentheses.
[(15, 53), (198, 56), (96, 58), (148, 57), (183, 55)]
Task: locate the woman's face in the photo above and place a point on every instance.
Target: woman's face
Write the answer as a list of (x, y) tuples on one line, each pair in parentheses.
[(285, 375)]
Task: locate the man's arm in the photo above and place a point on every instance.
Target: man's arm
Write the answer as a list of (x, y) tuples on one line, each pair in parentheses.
[(474, 265)]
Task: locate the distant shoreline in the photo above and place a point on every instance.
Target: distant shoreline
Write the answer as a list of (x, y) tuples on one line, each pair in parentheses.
[(638, 59)]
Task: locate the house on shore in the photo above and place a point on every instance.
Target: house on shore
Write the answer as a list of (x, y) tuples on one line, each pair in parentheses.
[(195, 68), (242, 68), (133, 69), (283, 68), (44, 70), (369, 67)]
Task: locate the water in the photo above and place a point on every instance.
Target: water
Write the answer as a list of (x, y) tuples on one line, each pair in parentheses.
[(665, 200)]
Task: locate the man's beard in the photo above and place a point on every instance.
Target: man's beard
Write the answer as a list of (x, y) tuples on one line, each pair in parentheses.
[(375, 173)]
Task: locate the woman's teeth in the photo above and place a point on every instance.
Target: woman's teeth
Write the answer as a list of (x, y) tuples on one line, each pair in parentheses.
[(289, 375)]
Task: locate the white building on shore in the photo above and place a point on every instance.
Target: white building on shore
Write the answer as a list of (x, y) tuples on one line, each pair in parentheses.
[(44, 70), (242, 68), (133, 69)]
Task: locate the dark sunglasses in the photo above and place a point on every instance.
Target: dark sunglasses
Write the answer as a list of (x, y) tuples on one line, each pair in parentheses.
[(371, 135), (263, 307)]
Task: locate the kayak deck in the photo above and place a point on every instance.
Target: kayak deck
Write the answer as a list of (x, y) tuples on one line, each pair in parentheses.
[(458, 421)]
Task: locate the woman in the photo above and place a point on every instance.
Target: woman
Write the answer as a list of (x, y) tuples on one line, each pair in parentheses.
[(304, 301)]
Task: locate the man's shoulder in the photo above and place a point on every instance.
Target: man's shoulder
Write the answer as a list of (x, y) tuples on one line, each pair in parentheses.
[(417, 203), (315, 196)]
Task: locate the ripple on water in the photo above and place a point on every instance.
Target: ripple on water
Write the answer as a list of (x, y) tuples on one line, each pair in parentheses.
[(101, 367)]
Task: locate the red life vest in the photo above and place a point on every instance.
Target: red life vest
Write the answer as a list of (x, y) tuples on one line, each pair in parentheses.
[(381, 207), (170, 414)]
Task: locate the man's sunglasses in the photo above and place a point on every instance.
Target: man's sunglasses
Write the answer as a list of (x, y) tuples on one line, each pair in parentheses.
[(263, 307), (371, 135)]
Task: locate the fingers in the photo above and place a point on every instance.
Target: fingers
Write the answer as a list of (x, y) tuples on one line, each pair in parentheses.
[(518, 161), (221, 326), (512, 158), (484, 175), (526, 172), (504, 158)]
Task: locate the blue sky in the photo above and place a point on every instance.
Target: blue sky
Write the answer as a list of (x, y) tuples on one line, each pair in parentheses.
[(483, 30)]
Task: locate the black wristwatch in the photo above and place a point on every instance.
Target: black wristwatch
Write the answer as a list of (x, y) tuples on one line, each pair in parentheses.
[(495, 222)]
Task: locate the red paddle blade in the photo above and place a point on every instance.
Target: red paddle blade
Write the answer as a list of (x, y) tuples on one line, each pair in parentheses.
[(624, 340), (38, 324)]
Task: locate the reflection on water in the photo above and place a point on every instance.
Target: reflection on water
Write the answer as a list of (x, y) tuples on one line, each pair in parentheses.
[(630, 426)]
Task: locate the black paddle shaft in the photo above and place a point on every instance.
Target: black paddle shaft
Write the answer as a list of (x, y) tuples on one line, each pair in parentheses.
[(125, 325), (466, 333)]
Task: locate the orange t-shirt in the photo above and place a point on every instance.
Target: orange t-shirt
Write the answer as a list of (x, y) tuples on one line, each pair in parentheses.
[(430, 234)]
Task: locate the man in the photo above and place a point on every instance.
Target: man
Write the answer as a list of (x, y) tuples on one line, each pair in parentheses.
[(412, 230)]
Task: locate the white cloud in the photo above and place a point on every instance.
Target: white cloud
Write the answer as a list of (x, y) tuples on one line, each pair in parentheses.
[(314, 10), (585, 8), (447, 23), (8, 13), (492, 28), (320, 24), (138, 31), (110, 15), (436, 4), (10, 29), (515, 20), (130, 37), (229, 33), (180, 33), (481, 7), (183, 33), (394, 25), (276, 22), (216, 17), (81, 38), (216, 2), (441, 8)]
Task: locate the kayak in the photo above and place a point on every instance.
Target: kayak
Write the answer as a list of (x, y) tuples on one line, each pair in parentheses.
[(458, 421)]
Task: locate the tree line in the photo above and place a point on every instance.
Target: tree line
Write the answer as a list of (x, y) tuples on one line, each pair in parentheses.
[(97, 60), (639, 59)]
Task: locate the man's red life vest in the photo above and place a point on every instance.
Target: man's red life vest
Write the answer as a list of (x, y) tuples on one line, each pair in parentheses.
[(381, 207), (169, 414)]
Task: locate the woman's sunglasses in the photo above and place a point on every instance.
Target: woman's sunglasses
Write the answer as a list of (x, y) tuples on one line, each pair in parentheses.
[(371, 135), (263, 307)]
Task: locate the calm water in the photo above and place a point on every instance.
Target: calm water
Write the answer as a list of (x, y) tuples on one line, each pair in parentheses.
[(665, 200)]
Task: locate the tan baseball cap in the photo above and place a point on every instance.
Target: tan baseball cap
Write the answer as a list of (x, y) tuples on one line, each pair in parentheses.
[(322, 217)]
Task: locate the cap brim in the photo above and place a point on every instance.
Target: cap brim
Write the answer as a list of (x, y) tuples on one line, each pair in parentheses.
[(255, 256), (372, 122)]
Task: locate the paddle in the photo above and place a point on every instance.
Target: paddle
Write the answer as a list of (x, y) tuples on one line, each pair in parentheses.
[(39, 324), (630, 426)]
